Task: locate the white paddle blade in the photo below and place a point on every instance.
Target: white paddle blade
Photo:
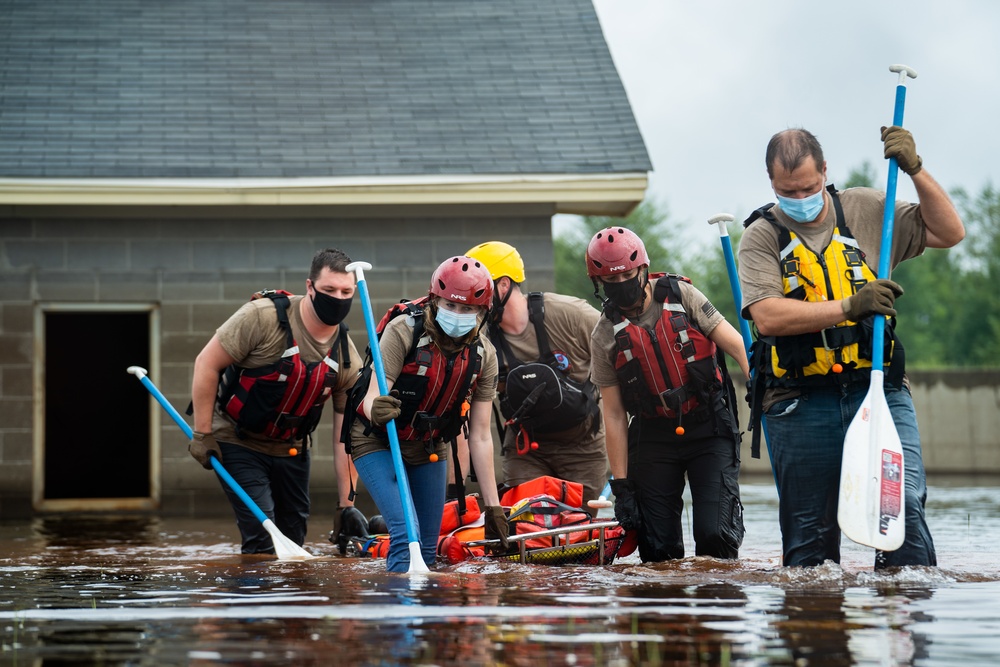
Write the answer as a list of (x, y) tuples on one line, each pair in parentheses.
[(871, 508), (417, 564), (284, 548)]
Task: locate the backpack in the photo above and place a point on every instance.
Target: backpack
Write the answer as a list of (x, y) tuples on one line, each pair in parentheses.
[(540, 397)]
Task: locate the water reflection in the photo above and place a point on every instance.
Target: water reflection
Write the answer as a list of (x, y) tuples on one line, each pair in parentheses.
[(149, 591)]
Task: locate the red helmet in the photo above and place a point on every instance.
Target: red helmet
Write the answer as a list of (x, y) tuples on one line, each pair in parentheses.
[(464, 280), (615, 250)]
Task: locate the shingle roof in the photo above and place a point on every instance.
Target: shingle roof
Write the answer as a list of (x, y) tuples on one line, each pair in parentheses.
[(299, 88)]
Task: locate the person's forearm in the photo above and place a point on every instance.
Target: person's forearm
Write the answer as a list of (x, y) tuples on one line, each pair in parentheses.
[(944, 225), (203, 392), (481, 453), (787, 317)]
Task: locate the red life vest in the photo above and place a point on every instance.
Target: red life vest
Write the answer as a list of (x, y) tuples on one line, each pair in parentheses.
[(432, 387), (668, 370), (284, 400)]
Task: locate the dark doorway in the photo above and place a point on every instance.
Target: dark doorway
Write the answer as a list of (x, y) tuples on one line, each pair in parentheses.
[(96, 414)]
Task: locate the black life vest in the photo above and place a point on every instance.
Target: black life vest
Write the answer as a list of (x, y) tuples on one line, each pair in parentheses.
[(434, 388), (561, 404), (284, 400), (671, 370)]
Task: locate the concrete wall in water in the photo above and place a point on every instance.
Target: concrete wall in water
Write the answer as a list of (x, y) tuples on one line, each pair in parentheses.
[(958, 412)]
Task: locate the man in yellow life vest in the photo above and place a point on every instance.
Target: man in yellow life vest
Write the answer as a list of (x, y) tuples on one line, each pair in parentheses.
[(808, 275)]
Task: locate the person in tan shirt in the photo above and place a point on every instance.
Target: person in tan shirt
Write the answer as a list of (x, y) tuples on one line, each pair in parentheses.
[(259, 388)]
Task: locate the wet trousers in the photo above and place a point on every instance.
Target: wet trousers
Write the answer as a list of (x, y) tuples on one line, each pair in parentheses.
[(806, 435), (280, 487), (657, 465), (428, 482)]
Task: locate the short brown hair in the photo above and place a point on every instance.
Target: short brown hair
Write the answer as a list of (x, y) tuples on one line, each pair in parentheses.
[(330, 258), (790, 148)]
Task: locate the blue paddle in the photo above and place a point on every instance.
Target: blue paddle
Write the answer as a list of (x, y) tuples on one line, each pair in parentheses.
[(871, 507), (284, 548), (417, 564), (734, 285)]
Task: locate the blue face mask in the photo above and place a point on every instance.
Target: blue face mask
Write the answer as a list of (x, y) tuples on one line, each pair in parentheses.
[(456, 325), (802, 210)]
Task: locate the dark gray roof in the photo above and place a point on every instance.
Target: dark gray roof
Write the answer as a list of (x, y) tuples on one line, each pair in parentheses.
[(296, 88)]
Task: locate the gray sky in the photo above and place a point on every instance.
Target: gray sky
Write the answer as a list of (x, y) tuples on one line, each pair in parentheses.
[(710, 81)]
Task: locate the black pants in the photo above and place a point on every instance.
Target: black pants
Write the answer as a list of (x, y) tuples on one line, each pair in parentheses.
[(280, 487), (657, 465)]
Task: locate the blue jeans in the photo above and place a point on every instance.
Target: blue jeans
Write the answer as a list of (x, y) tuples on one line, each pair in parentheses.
[(807, 443), (280, 487), (428, 483)]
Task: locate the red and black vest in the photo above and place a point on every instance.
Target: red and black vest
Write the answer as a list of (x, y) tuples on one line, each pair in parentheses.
[(434, 388), (671, 369), (284, 400)]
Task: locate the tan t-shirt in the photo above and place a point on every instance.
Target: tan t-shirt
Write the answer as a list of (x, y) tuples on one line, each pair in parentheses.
[(568, 323), (253, 337), (759, 254), (394, 344), (700, 312)]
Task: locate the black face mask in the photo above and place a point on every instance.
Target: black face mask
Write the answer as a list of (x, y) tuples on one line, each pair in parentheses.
[(626, 294), (329, 309)]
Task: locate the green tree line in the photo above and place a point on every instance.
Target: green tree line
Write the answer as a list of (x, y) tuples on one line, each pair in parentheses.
[(949, 315)]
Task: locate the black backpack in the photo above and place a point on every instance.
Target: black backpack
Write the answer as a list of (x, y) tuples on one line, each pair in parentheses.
[(539, 397)]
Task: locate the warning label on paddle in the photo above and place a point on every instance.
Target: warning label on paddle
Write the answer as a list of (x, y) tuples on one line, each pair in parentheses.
[(891, 488)]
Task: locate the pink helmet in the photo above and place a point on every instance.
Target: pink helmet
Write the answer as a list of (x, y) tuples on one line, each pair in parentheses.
[(615, 250), (463, 280)]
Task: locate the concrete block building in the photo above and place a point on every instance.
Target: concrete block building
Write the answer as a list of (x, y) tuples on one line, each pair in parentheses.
[(160, 162)]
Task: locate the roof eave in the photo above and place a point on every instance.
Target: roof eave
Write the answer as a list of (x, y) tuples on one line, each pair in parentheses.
[(581, 194)]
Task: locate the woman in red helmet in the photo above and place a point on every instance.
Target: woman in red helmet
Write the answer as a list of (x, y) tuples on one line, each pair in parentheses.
[(442, 378), (669, 405)]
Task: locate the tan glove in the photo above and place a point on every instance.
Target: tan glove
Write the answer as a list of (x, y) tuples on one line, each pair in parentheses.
[(878, 296), (385, 408), (496, 526), (202, 447), (900, 145)]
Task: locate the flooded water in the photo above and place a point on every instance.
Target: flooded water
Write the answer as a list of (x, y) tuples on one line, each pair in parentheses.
[(145, 591)]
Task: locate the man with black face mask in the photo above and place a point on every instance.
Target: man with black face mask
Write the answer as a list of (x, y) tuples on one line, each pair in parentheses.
[(258, 393), (669, 405)]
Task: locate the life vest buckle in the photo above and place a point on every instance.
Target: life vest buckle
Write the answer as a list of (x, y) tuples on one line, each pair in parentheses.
[(826, 343)]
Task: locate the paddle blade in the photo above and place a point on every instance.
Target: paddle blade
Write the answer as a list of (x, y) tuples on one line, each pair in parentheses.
[(417, 564), (871, 507), (284, 548)]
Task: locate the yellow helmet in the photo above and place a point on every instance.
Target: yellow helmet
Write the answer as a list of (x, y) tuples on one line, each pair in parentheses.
[(500, 259)]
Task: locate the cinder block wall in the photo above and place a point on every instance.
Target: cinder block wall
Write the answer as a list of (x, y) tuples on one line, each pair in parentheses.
[(199, 269)]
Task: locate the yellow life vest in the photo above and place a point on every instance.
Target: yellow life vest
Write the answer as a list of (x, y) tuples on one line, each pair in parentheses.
[(841, 353)]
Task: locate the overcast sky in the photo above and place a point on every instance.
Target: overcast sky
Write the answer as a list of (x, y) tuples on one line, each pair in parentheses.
[(710, 81)]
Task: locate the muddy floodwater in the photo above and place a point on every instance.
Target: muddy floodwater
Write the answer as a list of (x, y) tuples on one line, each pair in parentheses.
[(149, 591)]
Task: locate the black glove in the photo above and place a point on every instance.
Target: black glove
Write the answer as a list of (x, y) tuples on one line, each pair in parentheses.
[(878, 296), (496, 526), (626, 507), (900, 145), (749, 394), (385, 408), (202, 447)]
